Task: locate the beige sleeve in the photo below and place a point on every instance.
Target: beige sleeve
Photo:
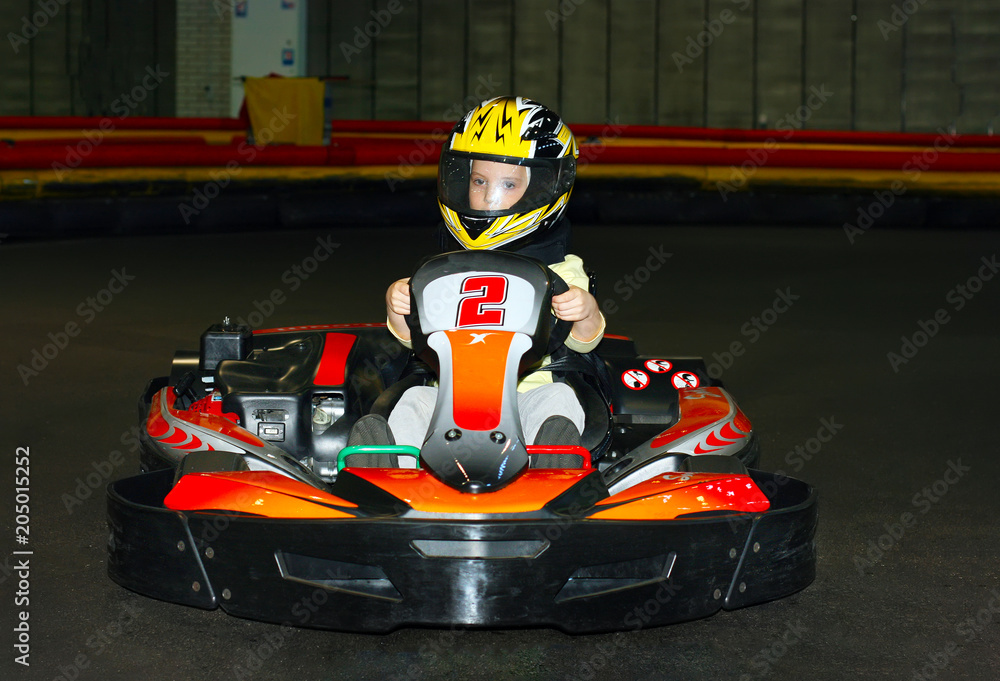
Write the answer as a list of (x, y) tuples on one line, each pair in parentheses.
[(405, 343), (572, 272)]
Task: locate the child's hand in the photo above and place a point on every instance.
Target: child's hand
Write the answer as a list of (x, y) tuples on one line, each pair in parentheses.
[(579, 307), (397, 298), (575, 305), (397, 305)]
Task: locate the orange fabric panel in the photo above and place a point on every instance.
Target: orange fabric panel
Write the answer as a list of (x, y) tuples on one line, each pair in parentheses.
[(478, 364)]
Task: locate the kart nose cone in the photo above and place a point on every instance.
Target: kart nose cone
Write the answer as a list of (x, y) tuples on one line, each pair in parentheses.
[(475, 464)]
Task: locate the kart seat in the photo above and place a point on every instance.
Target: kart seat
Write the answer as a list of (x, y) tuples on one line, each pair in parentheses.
[(597, 418), (385, 402)]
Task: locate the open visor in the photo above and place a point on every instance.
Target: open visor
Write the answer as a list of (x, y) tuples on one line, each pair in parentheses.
[(490, 186)]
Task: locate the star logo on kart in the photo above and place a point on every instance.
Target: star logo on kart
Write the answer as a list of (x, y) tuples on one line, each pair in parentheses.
[(479, 338)]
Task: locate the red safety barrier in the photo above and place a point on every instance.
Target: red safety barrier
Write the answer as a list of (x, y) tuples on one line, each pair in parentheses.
[(83, 142), (736, 135), (791, 136), (162, 155), (382, 151), (364, 153), (926, 159), (368, 148), (581, 130), (116, 123)]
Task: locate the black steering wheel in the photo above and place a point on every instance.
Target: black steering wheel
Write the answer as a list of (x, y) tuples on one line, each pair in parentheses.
[(560, 327)]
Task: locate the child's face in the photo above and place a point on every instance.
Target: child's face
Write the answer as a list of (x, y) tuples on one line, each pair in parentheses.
[(496, 186)]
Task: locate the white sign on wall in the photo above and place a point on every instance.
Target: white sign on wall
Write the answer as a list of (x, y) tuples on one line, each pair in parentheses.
[(268, 36)]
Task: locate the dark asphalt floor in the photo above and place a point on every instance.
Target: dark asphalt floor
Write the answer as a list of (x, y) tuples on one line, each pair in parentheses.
[(903, 450)]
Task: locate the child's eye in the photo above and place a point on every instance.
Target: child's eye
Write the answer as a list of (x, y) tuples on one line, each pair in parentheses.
[(509, 185), (478, 181)]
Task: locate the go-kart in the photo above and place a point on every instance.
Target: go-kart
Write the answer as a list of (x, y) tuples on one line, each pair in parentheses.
[(262, 495)]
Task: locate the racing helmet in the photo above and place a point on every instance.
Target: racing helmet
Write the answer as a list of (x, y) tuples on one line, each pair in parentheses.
[(506, 173)]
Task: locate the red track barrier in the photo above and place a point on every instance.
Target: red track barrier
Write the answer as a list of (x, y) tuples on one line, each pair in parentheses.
[(116, 123), (798, 158), (362, 153), (162, 155), (582, 130), (937, 151), (74, 142)]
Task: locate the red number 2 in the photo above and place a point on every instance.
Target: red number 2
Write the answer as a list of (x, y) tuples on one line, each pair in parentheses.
[(489, 290)]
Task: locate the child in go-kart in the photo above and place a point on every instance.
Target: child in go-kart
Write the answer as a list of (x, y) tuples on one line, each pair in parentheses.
[(505, 176)]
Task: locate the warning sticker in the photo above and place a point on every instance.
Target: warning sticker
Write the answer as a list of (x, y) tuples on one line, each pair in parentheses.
[(685, 379), (658, 366), (635, 379)]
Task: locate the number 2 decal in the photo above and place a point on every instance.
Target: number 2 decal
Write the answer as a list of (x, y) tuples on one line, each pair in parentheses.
[(489, 290)]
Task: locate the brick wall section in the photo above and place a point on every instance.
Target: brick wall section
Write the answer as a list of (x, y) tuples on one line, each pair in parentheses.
[(203, 57)]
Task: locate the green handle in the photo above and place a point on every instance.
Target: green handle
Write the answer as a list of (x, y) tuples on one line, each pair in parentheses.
[(405, 450)]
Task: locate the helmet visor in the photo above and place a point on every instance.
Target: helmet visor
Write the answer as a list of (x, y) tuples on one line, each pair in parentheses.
[(490, 186)]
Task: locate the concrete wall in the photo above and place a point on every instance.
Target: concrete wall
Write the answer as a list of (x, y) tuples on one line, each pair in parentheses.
[(909, 65), (912, 65), (86, 57)]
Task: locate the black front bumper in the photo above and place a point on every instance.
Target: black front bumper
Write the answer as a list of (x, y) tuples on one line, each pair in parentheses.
[(378, 574)]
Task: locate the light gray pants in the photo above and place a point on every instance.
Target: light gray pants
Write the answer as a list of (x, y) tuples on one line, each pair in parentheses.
[(411, 416)]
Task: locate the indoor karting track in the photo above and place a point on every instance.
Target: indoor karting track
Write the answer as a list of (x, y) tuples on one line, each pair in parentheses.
[(903, 451)]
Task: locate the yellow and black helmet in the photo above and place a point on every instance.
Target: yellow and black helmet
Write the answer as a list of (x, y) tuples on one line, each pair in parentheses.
[(506, 173)]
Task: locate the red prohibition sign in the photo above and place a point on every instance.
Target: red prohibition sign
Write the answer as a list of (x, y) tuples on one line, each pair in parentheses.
[(685, 379), (658, 366), (635, 379)]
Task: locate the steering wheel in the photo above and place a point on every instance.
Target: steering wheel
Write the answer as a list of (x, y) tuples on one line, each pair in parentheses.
[(560, 327)]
